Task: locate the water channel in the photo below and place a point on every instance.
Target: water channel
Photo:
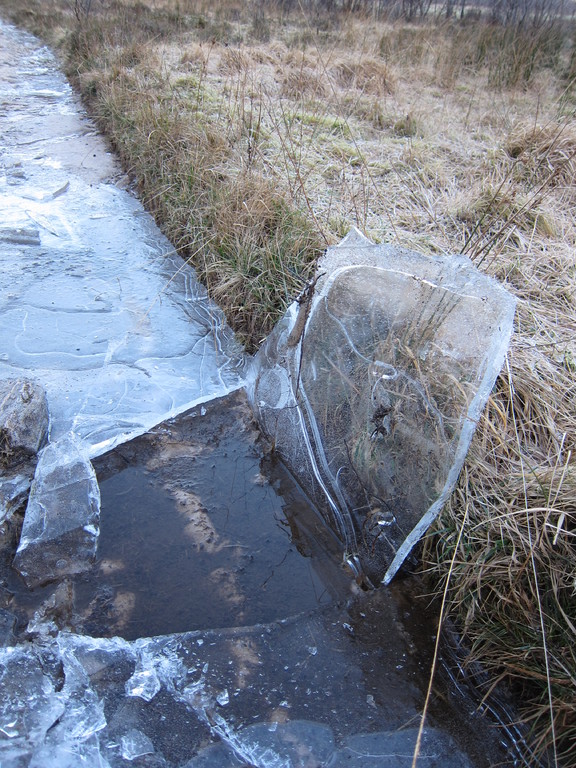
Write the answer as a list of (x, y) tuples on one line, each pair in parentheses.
[(218, 625)]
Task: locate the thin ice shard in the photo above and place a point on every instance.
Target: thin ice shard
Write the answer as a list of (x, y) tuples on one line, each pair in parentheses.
[(144, 683), (136, 744), (61, 524)]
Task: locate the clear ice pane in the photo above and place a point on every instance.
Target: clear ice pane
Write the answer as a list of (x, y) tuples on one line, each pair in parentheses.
[(61, 524), (144, 683), (374, 404), (29, 703), (135, 744)]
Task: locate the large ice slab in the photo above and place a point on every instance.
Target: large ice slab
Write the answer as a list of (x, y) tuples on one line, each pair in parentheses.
[(94, 303), (371, 389)]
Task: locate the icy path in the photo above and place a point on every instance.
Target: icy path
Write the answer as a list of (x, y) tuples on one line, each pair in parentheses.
[(94, 304)]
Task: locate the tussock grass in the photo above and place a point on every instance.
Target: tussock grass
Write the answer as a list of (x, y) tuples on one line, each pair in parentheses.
[(256, 140), (546, 153)]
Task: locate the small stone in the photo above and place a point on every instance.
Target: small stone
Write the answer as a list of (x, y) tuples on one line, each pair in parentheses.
[(23, 421)]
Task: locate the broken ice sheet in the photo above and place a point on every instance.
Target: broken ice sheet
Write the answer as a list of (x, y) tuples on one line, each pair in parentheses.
[(60, 528), (373, 402), (29, 702), (287, 708), (95, 302), (84, 713)]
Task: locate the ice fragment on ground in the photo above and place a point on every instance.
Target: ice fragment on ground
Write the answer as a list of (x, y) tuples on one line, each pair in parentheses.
[(371, 385), (60, 529), (84, 713), (135, 744), (53, 613), (29, 703), (144, 683)]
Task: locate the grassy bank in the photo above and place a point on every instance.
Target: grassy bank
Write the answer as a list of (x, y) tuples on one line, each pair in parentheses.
[(256, 138)]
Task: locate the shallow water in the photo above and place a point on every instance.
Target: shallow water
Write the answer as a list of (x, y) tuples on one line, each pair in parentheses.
[(200, 527), (217, 626)]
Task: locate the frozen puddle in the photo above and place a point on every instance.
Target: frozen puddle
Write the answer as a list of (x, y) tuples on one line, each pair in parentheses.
[(199, 528), (217, 626)]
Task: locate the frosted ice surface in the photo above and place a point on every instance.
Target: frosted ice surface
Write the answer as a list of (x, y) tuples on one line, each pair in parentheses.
[(61, 524), (94, 303)]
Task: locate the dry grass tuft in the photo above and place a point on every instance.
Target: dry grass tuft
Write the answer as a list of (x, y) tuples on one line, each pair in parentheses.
[(513, 584), (545, 153), (234, 60), (302, 83), (369, 75)]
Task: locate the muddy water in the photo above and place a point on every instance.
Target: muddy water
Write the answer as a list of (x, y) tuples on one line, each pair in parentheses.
[(200, 528), (217, 626)]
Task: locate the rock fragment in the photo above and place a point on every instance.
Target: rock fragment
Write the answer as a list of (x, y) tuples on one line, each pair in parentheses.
[(23, 421)]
